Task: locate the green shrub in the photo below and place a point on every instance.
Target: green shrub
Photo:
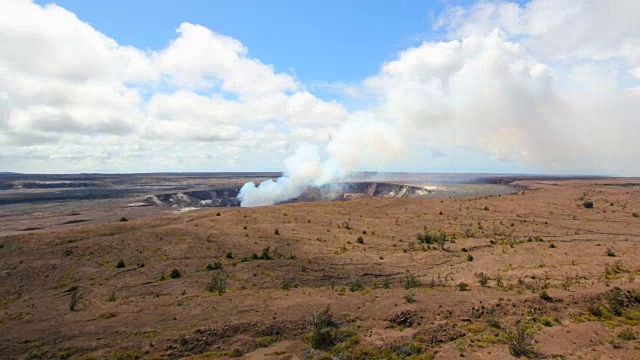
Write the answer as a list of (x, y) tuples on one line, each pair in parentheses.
[(627, 334), (287, 284), (265, 341), (218, 284), (520, 341), (236, 352), (588, 204), (483, 279), (123, 219), (544, 295), (229, 255), (123, 355), (276, 232), (323, 330), (360, 240), (174, 274), (216, 265), (386, 283), (552, 246), (610, 252), (218, 214), (120, 264), (356, 285), (411, 281), (469, 257), (462, 286), (410, 297)]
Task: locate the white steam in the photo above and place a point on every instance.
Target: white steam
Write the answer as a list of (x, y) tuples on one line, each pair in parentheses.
[(362, 142)]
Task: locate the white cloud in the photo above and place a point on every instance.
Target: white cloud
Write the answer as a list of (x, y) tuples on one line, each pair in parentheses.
[(550, 84)]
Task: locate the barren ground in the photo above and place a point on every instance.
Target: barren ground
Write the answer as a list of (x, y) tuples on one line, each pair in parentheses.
[(540, 241)]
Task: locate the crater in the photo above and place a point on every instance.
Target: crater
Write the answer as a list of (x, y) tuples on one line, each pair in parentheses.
[(228, 195)]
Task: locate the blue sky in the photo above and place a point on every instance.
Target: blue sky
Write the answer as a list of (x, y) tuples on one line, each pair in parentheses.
[(407, 85), (322, 41)]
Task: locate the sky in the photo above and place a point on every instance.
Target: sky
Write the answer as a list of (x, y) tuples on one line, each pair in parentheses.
[(320, 88)]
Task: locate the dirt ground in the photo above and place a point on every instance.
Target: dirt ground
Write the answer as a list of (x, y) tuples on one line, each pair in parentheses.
[(538, 260)]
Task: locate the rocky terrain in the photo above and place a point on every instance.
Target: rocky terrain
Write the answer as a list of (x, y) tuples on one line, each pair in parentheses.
[(547, 272)]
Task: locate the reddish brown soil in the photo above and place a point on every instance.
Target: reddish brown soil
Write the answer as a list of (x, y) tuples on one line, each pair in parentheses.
[(132, 309)]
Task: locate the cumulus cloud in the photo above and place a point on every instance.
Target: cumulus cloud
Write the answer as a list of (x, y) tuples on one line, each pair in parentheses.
[(553, 85)]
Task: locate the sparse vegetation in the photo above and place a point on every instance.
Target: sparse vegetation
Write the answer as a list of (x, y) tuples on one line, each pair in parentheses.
[(627, 334), (360, 240), (123, 219), (544, 295), (588, 204), (276, 232), (469, 257), (439, 238), (265, 341), (410, 281), (120, 264), (287, 283), (386, 283), (610, 252), (218, 284)]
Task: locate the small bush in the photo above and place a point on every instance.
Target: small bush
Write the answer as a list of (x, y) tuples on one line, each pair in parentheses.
[(386, 283), (67, 252), (218, 284), (216, 265), (552, 246), (360, 240), (610, 252), (356, 285), (174, 274), (520, 341), (323, 330), (627, 334), (462, 286), (120, 264), (287, 284), (635, 214), (277, 232), (236, 353), (469, 257), (410, 297), (588, 204), (411, 281), (74, 300), (229, 255), (483, 279), (123, 219), (218, 214), (265, 341), (544, 295)]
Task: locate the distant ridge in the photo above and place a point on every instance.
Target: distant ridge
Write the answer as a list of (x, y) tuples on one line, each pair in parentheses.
[(8, 173)]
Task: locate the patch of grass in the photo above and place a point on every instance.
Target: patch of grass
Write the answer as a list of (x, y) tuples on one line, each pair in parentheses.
[(236, 352), (386, 283)]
